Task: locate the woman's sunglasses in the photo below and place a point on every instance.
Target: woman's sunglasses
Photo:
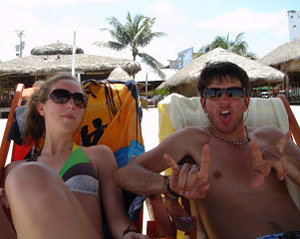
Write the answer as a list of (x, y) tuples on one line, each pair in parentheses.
[(62, 96), (231, 92)]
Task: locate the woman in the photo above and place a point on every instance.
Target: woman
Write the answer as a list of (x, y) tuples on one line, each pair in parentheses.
[(41, 203)]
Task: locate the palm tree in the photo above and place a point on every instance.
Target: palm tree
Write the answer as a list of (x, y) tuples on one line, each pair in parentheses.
[(238, 46), (134, 34)]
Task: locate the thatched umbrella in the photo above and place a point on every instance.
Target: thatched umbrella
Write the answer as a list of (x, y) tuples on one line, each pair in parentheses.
[(286, 58), (57, 60), (36, 65), (54, 49), (284, 53), (185, 80), (119, 74)]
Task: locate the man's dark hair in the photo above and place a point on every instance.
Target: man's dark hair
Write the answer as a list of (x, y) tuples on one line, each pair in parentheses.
[(220, 71)]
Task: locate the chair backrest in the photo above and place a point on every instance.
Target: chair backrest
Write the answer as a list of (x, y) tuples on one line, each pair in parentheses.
[(177, 112), (20, 93)]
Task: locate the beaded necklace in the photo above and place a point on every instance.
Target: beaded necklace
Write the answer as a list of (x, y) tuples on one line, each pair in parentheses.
[(236, 143)]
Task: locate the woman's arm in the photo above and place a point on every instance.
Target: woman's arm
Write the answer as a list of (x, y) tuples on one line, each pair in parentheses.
[(111, 194)]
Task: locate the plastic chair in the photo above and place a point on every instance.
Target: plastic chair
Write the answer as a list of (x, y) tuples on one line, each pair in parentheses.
[(177, 112)]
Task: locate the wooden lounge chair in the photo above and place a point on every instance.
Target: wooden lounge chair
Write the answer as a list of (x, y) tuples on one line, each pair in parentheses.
[(177, 112)]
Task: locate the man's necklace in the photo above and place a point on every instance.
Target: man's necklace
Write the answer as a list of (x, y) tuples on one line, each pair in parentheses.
[(236, 143)]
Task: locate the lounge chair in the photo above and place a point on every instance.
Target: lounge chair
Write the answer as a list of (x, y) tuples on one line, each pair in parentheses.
[(113, 118), (177, 112)]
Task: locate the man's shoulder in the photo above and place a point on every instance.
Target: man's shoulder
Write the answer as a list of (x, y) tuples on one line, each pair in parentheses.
[(266, 133), (267, 129), (188, 134), (193, 131)]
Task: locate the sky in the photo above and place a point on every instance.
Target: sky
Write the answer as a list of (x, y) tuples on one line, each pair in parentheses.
[(187, 23)]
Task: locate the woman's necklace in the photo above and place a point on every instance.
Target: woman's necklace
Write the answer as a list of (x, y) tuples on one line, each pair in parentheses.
[(236, 143)]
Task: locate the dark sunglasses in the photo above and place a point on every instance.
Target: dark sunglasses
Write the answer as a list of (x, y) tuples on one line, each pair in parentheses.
[(231, 92), (62, 96)]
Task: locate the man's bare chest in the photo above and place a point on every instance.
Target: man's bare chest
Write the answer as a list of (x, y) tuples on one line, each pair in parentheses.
[(230, 165)]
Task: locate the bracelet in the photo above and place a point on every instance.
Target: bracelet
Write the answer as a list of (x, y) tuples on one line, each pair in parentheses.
[(167, 190), (129, 229)]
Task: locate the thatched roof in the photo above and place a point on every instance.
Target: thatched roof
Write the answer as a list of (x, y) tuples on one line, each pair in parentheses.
[(255, 70), (56, 63), (119, 74), (54, 49), (284, 53)]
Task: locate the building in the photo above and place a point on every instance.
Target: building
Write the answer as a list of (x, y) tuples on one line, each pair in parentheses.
[(294, 25), (183, 58)]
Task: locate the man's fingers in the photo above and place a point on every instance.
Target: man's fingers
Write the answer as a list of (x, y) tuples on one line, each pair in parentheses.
[(256, 155), (258, 180), (171, 162), (192, 177), (197, 192), (283, 141), (279, 168), (205, 162), (183, 177)]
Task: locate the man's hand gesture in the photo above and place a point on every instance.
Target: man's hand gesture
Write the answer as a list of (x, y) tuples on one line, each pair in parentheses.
[(271, 157), (190, 181)]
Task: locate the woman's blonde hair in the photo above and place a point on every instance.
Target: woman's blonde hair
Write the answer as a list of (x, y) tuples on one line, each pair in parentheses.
[(34, 127)]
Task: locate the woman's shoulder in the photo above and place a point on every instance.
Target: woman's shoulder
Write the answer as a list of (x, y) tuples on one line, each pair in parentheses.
[(99, 155), (96, 150)]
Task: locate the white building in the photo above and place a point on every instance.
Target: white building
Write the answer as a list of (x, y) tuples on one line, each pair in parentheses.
[(294, 24)]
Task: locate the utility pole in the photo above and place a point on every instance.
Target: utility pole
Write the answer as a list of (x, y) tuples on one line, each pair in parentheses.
[(20, 47)]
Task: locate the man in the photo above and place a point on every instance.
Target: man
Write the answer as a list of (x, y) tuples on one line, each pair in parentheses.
[(238, 178)]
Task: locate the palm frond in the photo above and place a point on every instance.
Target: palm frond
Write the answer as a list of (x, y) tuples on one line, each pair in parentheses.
[(112, 45), (118, 31), (153, 63), (136, 32)]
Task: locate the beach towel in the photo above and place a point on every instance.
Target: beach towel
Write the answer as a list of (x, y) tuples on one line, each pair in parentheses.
[(177, 112), (112, 117)]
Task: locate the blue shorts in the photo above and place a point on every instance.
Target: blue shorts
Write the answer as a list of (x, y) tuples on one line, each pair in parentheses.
[(273, 236), (286, 235)]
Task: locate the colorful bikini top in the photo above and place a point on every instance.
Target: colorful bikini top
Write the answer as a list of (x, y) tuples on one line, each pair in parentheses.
[(77, 172)]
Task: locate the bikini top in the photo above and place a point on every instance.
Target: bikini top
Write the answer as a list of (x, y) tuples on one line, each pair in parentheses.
[(77, 172)]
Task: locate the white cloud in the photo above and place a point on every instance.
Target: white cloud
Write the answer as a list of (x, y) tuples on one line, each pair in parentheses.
[(242, 19), (263, 31), (30, 4), (168, 17)]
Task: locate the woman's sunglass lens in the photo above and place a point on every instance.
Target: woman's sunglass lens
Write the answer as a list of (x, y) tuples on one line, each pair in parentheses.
[(61, 96)]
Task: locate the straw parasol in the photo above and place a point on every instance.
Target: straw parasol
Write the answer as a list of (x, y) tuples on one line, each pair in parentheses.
[(284, 53), (59, 59), (54, 49), (63, 63), (119, 74), (185, 80)]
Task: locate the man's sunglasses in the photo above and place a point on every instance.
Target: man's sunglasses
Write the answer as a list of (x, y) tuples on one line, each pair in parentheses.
[(62, 96), (231, 92)]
